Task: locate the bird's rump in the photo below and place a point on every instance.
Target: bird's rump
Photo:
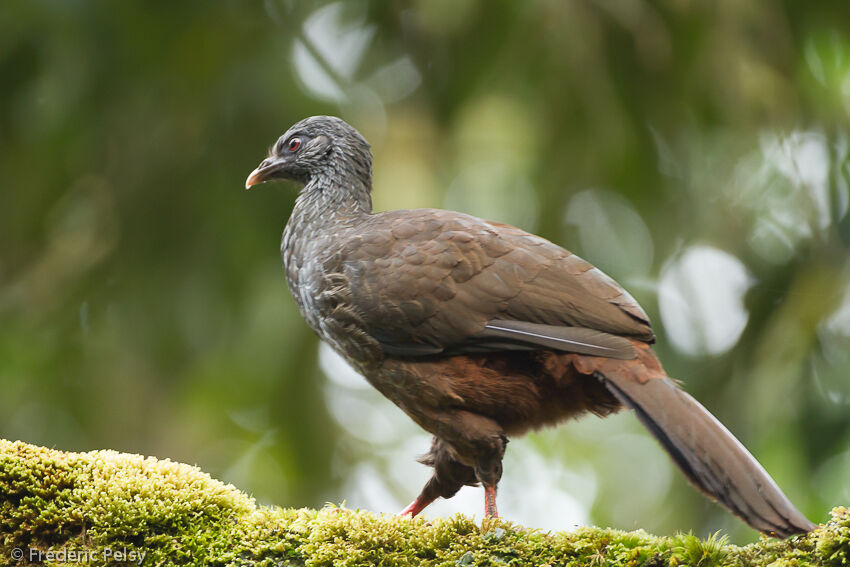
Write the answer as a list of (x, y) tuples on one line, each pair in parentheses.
[(433, 281)]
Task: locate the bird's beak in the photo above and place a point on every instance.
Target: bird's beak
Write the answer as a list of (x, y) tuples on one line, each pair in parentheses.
[(264, 172)]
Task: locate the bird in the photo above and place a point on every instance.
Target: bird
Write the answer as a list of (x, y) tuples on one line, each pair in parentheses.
[(480, 331)]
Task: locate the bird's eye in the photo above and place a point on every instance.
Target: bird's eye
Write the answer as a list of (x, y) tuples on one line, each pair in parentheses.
[(294, 144)]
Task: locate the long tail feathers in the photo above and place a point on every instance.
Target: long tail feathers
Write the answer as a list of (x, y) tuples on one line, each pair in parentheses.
[(711, 457)]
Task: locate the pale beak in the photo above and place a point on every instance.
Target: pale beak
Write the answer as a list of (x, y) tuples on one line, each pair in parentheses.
[(264, 172)]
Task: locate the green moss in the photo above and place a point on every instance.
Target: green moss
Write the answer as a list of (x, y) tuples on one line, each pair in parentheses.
[(101, 503)]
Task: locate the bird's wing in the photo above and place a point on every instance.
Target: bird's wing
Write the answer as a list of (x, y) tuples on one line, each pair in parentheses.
[(432, 281)]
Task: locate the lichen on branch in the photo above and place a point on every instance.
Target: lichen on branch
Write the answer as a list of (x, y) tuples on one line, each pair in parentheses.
[(90, 508)]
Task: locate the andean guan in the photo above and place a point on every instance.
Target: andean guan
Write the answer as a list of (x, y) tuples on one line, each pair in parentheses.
[(479, 330)]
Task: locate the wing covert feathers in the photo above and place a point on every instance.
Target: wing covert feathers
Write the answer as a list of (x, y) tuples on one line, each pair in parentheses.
[(437, 278), (709, 455)]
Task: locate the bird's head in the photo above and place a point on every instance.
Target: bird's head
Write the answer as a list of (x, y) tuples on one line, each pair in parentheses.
[(319, 148)]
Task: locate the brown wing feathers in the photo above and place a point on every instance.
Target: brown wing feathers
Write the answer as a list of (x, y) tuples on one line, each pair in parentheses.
[(520, 334), (453, 275)]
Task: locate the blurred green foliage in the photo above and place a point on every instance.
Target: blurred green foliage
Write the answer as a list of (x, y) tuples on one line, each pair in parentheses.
[(698, 152)]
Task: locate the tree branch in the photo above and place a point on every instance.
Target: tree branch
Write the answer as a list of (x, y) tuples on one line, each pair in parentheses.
[(108, 508)]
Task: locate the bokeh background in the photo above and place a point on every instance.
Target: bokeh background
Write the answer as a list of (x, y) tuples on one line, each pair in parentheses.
[(697, 152)]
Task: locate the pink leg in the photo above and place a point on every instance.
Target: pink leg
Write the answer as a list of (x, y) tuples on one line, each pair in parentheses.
[(490, 510), (416, 506)]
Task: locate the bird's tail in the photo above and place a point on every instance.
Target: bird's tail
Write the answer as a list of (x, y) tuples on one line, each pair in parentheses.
[(709, 455)]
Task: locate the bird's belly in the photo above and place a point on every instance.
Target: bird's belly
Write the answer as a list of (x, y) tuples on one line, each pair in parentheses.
[(520, 390)]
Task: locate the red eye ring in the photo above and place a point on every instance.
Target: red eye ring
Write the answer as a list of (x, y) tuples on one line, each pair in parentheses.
[(294, 144)]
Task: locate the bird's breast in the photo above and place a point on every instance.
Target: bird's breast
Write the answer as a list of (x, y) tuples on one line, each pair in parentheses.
[(322, 286)]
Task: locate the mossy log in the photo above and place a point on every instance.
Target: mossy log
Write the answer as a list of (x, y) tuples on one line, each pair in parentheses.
[(108, 508)]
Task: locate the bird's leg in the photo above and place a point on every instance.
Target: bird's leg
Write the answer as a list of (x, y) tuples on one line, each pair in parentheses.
[(481, 442), (449, 476), (488, 470), (490, 510), (416, 506)]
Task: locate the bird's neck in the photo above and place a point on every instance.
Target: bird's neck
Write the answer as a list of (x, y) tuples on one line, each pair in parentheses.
[(328, 206), (329, 203), (322, 215), (325, 200)]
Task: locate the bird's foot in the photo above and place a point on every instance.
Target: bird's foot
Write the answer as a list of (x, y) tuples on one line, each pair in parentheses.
[(490, 510), (415, 507)]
